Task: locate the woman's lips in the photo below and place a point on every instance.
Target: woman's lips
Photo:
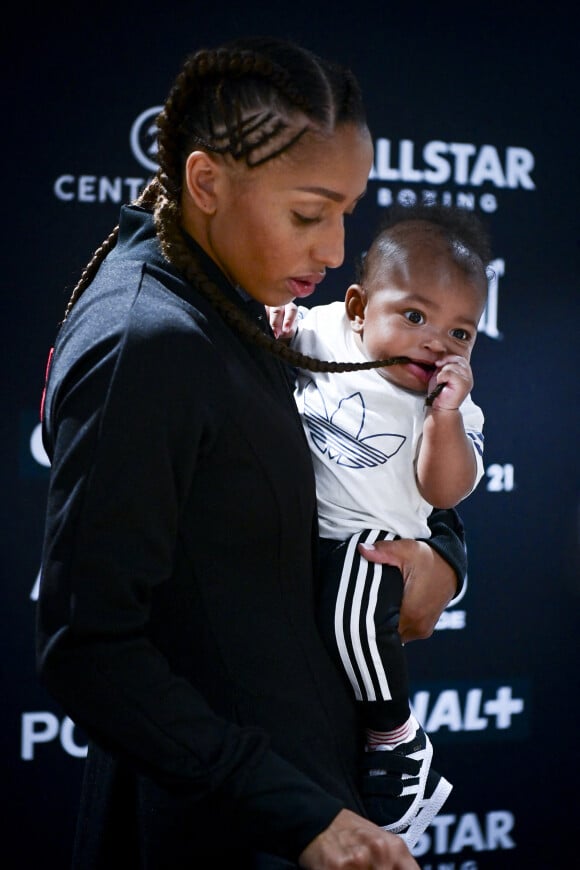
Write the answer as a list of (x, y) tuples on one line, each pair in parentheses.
[(302, 287)]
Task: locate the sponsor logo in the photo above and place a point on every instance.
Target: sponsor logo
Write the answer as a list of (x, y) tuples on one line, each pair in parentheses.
[(451, 835), (93, 188), (469, 711), (440, 165), (143, 138), (90, 188), (40, 728)]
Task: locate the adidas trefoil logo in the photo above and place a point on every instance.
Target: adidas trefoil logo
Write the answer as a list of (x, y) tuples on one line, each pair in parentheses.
[(340, 434)]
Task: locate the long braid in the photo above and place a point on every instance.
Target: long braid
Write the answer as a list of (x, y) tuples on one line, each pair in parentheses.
[(91, 269)]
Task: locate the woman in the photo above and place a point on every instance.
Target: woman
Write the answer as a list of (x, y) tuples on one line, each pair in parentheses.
[(176, 621)]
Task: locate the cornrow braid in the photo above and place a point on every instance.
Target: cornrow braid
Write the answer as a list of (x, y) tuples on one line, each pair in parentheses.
[(205, 108)]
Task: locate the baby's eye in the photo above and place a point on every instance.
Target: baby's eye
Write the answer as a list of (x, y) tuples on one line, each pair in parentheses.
[(461, 334), (414, 316)]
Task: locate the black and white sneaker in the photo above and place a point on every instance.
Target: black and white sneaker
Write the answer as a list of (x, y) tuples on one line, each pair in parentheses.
[(437, 791), (396, 788)]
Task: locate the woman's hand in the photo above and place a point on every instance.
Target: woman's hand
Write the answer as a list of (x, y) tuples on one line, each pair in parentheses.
[(430, 583), (353, 843)]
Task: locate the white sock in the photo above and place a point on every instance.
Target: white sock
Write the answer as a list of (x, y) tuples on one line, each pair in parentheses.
[(391, 738)]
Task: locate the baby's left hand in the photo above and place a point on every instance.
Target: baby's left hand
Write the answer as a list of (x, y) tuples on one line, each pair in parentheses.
[(283, 320), (457, 379)]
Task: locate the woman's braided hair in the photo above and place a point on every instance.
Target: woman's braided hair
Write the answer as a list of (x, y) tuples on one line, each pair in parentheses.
[(241, 100)]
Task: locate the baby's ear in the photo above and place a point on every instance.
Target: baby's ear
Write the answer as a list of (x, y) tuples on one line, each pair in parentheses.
[(355, 303)]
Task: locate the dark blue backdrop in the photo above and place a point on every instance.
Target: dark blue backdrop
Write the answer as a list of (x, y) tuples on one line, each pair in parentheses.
[(477, 107)]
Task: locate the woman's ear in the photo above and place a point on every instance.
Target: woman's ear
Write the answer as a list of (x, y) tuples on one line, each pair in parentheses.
[(355, 303), (201, 176)]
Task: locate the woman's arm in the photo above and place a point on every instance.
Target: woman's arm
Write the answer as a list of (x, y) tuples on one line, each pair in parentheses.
[(433, 571)]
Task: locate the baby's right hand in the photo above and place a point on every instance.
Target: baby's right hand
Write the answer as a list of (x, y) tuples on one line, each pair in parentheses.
[(283, 320)]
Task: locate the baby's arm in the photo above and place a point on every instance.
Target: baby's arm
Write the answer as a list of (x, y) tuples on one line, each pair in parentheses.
[(446, 466)]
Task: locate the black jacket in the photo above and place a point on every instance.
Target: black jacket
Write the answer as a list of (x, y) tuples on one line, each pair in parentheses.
[(176, 611)]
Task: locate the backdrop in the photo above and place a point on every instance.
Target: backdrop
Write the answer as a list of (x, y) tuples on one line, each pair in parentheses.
[(480, 109)]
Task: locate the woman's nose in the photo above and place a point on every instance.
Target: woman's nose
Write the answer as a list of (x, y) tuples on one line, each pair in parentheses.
[(329, 247)]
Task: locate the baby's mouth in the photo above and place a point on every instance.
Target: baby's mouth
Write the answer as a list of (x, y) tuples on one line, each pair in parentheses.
[(422, 370)]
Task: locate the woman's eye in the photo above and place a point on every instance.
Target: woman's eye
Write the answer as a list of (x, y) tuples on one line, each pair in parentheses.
[(304, 219), (414, 316)]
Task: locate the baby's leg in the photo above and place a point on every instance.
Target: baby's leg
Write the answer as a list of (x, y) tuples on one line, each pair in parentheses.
[(359, 618)]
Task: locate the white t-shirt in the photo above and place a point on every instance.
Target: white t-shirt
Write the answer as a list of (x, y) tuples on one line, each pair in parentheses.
[(363, 433)]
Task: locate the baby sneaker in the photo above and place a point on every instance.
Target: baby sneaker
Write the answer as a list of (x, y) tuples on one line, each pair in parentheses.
[(400, 791)]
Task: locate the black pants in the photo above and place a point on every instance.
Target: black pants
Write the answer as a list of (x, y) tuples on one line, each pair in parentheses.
[(358, 616)]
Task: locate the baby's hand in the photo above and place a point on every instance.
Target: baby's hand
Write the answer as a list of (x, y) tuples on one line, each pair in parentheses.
[(283, 320), (456, 381)]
